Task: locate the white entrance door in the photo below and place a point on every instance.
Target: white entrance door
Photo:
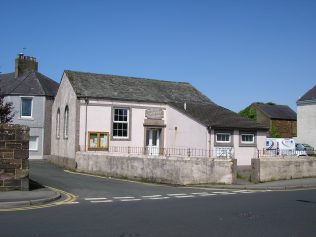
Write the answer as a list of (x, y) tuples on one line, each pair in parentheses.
[(152, 141)]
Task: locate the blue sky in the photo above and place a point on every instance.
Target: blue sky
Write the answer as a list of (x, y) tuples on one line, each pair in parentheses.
[(235, 51)]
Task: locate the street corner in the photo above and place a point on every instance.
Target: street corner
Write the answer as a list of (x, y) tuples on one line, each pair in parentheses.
[(35, 199)]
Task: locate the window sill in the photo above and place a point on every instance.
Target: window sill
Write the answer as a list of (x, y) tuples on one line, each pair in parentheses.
[(120, 138), (26, 118), (223, 145), (247, 145)]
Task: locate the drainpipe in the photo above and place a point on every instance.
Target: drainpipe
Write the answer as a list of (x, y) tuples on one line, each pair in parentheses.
[(208, 140), (86, 121)]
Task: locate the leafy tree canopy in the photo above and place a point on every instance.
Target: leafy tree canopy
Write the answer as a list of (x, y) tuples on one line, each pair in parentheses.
[(251, 113), (6, 110)]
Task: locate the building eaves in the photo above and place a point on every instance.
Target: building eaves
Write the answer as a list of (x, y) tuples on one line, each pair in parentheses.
[(309, 96)]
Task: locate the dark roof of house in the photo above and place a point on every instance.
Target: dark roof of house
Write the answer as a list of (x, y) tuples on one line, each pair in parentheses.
[(309, 95), (216, 116), (283, 112), (132, 88), (199, 106), (30, 84)]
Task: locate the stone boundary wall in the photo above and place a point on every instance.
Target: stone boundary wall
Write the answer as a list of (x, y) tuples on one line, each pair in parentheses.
[(64, 162), (169, 170), (14, 154), (272, 168)]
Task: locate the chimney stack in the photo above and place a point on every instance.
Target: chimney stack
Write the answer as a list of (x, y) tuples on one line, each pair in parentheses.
[(25, 64)]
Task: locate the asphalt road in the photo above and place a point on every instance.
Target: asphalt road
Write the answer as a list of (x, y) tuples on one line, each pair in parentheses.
[(109, 207)]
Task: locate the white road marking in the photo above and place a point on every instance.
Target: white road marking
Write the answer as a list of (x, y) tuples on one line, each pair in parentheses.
[(207, 194), (152, 196), (177, 194), (184, 196), (101, 201), (199, 193), (93, 199), (123, 197), (243, 191), (130, 200), (223, 193), (159, 198), (69, 203)]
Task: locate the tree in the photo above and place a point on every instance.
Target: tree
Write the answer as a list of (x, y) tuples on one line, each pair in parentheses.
[(6, 110), (248, 112)]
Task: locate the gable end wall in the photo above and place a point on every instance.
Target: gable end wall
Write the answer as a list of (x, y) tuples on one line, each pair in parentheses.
[(64, 147)]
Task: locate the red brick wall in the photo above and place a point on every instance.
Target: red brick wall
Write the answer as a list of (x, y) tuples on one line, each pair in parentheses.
[(14, 154), (285, 128)]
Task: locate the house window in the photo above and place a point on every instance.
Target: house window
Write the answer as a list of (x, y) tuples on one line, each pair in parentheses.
[(223, 137), (120, 123), (66, 122), (247, 138), (33, 143), (26, 107), (58, 124), (98, 141)]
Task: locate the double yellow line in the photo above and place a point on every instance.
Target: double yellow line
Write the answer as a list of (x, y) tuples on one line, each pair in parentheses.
[(68, 198)]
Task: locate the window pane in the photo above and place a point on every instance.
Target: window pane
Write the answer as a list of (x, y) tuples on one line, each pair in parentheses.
[(120, 123), (248, 138), (223, 137), (93, 140), (26, 107), (66, 122), (103, 140), (147, 137), (154, 141), (58, 124)]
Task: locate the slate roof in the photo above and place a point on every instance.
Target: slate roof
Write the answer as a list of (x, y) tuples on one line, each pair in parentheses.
[(283, 112), (28, 84), (215, 116), (198, 106), (309, 95), (132, 88)]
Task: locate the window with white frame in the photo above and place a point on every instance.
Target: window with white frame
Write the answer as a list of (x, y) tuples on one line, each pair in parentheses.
[(247, 138), (120, 123), (58, 124), (26, 107), (33, 143), (66, 122), (223, 137)]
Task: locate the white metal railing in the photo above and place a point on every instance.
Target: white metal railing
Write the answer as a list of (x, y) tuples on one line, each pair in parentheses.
[(279, 153), (221, 152)]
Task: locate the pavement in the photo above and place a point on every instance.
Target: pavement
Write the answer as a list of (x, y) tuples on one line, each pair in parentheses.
[(290, 184), (38, 195), (42, 195)]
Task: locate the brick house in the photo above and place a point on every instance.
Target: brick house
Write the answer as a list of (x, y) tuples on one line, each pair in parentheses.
[(280, 119)]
